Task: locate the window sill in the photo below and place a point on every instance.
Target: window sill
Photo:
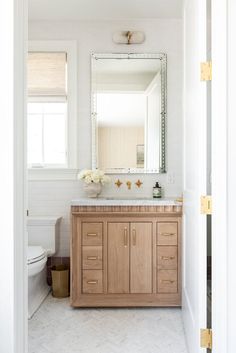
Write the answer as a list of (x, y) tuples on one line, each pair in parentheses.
[(52, 174)]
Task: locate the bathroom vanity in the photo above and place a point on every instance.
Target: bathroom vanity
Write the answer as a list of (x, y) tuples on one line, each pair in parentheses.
[(125, 253)]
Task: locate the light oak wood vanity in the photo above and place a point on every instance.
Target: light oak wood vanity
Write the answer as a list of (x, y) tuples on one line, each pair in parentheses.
[(125, 253)]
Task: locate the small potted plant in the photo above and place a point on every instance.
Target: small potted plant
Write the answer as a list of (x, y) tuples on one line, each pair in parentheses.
[(93, 181)]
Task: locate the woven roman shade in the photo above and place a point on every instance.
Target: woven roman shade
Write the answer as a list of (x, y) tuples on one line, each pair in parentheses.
[(47, 74)]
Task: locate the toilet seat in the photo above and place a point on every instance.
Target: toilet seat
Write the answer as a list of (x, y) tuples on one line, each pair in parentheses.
[(35, 254), (37, 258)]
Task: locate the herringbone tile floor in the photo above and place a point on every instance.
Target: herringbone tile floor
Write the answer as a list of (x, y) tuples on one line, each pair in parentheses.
[(57, 328)]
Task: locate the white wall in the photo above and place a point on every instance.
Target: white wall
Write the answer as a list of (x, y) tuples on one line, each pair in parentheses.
[(53, 197)]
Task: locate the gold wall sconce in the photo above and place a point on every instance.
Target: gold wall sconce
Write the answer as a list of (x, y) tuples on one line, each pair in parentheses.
[(128, 183), (118, 183), (128, 37), (138, 183)]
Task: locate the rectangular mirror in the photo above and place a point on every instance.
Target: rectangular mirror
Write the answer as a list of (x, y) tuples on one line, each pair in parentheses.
[(129, 113)]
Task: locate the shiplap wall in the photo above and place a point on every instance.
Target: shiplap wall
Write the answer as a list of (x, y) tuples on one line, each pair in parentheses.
[(53, 197)]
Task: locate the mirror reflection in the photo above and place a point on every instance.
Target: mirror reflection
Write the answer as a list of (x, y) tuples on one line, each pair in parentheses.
[(128, 93)]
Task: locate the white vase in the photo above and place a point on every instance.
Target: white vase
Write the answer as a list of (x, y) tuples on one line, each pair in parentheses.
[(93, 189)]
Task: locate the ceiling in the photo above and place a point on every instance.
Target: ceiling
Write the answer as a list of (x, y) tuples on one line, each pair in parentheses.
[(124, 75), (97, 10), (126, 66)]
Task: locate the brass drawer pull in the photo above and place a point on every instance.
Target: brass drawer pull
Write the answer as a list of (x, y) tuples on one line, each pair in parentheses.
[(134, 237), (167, 281), (92, 282), (125, 237), (167, 234), (92, 235), (92, 257), (167, 257)]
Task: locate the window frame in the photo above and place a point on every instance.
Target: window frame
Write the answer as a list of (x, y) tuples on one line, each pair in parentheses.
[(70, 48)]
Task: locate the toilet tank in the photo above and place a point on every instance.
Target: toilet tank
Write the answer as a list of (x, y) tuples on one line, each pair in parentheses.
[(44, 231)]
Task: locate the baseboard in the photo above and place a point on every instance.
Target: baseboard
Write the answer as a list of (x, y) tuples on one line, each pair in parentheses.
[(188, 321), (40, 299)]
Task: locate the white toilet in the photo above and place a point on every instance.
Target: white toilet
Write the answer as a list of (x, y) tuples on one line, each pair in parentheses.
[(43, 237)]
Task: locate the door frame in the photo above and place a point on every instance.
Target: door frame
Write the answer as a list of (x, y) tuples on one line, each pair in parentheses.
[(231, 239), (223, 175), (219, 175), (194, 259), (13, 303)]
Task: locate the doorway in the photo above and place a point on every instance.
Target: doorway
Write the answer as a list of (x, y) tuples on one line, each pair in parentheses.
[(219, 207), (53, 194)]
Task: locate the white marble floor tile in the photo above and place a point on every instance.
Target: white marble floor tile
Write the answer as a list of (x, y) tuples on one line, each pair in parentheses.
[(58, 328)]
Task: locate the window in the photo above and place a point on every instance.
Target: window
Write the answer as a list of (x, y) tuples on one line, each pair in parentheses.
[(51, 105), (47, 123)]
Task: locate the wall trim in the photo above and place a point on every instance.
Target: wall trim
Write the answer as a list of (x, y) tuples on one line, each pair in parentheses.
[(38, 174), (186, 318)]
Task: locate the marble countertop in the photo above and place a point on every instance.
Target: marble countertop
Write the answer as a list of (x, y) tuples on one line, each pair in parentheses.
[(109, 201)]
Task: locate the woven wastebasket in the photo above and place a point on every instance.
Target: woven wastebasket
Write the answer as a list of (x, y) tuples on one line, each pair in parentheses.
[(60, 281)]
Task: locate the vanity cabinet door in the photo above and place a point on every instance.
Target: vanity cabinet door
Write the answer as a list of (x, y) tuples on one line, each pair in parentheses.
[(141, 258), (118, 257)]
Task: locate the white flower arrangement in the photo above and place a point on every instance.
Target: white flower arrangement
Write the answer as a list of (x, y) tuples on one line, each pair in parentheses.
[(93, 176)]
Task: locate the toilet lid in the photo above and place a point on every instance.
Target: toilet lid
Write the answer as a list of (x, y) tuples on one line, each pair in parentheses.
[(35, 253)]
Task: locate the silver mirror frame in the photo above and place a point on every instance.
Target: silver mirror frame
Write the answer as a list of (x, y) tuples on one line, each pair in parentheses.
[(163, 115)]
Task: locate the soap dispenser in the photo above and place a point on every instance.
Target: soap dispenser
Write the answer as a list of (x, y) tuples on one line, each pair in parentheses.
[(157, 191)]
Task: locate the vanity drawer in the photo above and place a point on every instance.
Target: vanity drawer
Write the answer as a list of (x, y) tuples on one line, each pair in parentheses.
[(92, 281), (167, 233), (92, 233), (167, 281), (92, 257), (167, 257)]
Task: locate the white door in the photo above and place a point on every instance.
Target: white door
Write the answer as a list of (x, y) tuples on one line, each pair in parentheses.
[(195, 173)]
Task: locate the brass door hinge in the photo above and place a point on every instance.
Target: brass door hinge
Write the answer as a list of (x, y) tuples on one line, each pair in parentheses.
[(206, 205), (206, 338), (206, 71)]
